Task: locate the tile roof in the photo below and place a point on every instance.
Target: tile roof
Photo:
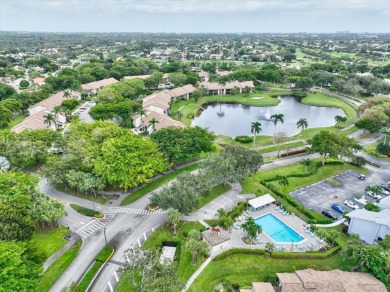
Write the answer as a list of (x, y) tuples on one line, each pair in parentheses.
[(99, 84)]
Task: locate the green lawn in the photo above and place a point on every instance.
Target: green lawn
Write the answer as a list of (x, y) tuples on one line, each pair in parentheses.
[(245, 269), (17, 119), (86, 211), (49, 241), (163, 233), (371, 150), (51, 275), (326, 171), (156, 183), (124, 284), (214, 193), (282, 147), (327, 101)]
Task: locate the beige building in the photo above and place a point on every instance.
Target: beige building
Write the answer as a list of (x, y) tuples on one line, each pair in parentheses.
[(217, 238), (218, 89), (94, 87), (329, 281)]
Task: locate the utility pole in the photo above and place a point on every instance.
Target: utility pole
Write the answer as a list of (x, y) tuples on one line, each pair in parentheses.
[(105, 237)]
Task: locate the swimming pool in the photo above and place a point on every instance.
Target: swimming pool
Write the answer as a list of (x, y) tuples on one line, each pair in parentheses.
[(277, 230)]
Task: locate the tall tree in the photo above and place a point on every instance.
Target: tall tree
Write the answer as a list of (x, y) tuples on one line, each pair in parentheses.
[(331, 145), (340, 119), (255, 129), (196, 245), (302, 123), (153, 122), (173, 217), (251, 228), (49, 120)]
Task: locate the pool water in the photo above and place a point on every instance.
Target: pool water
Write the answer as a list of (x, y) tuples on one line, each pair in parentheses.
[(277, 230)]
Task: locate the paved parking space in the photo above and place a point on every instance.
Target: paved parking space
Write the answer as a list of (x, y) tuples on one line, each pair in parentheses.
[(321, 195)]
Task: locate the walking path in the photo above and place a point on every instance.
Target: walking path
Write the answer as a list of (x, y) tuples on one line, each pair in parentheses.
[(336, 223), (197, 273), (72, 241)]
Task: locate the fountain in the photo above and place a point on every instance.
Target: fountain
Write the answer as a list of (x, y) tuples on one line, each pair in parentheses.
[(268, 115)]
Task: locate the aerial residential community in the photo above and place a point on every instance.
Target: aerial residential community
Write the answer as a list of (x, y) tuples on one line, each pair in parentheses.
[(176, 146)]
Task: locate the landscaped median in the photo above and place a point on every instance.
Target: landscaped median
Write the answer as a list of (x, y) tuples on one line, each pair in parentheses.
[(139, 193), (103, 256), (86, 211), (51, 275)]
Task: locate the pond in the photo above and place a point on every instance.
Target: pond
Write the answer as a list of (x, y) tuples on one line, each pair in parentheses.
[(236, 119)]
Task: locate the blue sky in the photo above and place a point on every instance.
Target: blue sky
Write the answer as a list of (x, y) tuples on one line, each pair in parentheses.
[(195, 15)]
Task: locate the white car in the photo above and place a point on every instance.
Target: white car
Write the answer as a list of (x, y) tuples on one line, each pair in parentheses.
[(372, 195), (351, 204)]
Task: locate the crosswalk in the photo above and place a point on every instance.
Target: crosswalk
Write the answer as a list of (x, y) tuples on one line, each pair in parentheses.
[(96, 224), (138, 211)]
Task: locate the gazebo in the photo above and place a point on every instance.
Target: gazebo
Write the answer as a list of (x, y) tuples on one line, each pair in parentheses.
[(261, 202)]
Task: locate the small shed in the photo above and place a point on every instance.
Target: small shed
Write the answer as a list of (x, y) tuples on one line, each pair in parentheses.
[(217, 238), (261, 202)]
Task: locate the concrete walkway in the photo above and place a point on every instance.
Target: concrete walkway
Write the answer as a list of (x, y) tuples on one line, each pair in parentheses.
[(336, 223), (72, 241), (197, 273)]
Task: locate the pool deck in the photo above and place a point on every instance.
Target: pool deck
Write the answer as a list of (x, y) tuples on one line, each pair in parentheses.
[(295, 223)]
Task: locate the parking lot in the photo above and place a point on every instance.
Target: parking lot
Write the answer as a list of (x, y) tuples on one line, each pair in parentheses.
[(321, 195), (83, 112)]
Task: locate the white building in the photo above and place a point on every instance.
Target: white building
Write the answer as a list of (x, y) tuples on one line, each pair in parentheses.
[(261, 202), (385, 203), (370, 226)]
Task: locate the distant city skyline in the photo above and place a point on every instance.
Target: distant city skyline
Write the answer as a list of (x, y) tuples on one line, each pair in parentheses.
[(192, 16)]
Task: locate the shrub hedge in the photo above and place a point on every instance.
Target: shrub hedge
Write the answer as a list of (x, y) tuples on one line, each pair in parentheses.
[(240, 251), (244, 139)]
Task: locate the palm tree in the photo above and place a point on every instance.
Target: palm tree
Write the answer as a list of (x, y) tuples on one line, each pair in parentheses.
[(49, 119), (277, 118), (153, 123), (270, 247), (179, 115), (142, 113), (306, 163), (386, 132), (302, 123), (282, 181), (251, 228), (222, 213), (255, 129), (196, 245), (173, 217), (66, 94)]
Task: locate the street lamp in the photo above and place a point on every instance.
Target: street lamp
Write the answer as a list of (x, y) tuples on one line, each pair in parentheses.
[(105, 237)]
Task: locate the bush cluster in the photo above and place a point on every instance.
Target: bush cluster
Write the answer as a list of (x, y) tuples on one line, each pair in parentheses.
[(295, 152), (237, 211), (383, 149), (244, 139)]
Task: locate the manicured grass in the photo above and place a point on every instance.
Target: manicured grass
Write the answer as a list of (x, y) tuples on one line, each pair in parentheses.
[(155, 184), (371, 150), (17, 119), (163, 233), (124, 284), (214, 193), (86, 211), (51, 275), (100, 259), (49, 241), (282, 147), (245, 269), (327, 101)]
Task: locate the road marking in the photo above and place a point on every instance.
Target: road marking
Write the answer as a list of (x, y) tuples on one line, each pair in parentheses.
[(109, 286), (82, 222), (116, 277)]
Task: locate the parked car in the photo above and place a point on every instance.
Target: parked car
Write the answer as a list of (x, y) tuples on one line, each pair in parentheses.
[(374, 196), (385, 192), (329, 214), (338, 208), (362, 177), (351, 204), (385, 187)]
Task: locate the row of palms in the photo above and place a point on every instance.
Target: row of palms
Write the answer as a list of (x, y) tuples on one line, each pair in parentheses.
[(256, 126)]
